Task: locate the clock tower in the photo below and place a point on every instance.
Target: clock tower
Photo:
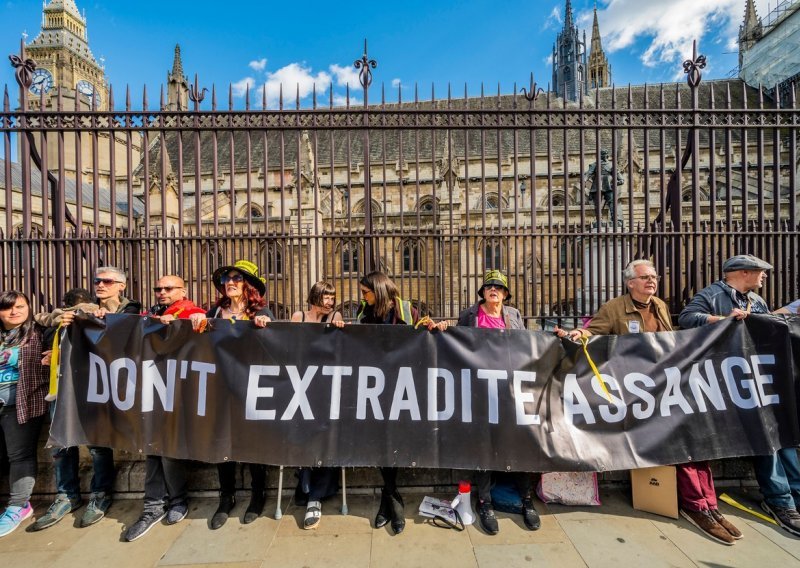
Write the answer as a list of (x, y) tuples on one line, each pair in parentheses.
[(63, 58)]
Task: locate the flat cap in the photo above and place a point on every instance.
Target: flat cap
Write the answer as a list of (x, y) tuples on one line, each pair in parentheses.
[(745, 262)]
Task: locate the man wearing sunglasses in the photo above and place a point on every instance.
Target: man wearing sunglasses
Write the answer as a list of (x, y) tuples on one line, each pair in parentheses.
[(171, 300), (165, 488), (109, 286)]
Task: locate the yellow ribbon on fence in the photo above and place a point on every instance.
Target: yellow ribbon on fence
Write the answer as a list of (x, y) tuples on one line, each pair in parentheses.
[(585, 342), (55, 359)]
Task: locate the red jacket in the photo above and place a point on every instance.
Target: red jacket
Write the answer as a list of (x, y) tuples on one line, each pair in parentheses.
[(182, 309)]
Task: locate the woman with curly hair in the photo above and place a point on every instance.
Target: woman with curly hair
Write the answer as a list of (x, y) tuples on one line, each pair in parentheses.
[(242, 299)]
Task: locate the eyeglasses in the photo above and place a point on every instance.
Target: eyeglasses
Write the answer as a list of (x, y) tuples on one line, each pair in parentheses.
[(235, 278), (366, 291), (648, 277), (166, 289), (494, 287), (106, 281)]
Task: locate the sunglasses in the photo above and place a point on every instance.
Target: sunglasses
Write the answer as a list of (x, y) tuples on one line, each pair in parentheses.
[(494, 287), (106, 281), (167, 289), (235, 278)]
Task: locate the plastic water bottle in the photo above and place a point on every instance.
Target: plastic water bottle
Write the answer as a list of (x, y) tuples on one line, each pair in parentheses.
[(463, 503)]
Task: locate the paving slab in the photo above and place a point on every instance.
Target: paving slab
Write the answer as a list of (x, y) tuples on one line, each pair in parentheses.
[(312, 550), (234, 542), (557, 555)]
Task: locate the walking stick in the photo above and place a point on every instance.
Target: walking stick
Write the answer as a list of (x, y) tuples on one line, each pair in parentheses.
[(278, 512), (344, 494)]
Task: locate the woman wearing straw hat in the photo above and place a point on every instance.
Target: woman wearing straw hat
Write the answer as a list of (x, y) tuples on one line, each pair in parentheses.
[(490, 312), (242, 299)]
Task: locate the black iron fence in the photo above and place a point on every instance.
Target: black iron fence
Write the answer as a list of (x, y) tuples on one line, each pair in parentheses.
[(560, 196)]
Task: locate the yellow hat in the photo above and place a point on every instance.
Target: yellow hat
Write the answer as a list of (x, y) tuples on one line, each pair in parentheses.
[(249, 271), (496, 278)]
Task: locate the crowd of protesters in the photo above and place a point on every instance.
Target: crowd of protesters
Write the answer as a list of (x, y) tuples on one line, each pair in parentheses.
[(26, 386)]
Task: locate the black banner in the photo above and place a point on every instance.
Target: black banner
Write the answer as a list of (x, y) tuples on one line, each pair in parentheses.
[(306, 394)]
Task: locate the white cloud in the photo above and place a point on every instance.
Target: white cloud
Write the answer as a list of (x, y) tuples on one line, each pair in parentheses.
[(395, 83), (345, 75), (549, 60), (258, 64), (669, 26), (553, 21), (240, 87), (295, 79)]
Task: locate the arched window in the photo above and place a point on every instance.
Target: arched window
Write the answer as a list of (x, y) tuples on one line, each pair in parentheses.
[(350, 253), (359, 207), (493, 253), (492, 201), (426, 204), (272, 255), (412, 255)]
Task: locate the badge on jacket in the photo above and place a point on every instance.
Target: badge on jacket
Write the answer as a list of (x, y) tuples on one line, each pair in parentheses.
[(633, 327)]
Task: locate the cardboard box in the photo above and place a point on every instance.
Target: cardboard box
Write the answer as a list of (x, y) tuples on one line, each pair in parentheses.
[(655, 490)]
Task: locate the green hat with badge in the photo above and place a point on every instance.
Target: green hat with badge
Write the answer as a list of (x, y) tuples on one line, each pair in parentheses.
[(495, 278)]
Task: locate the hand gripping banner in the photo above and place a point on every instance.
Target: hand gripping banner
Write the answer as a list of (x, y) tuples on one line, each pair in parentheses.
[(314, 395)]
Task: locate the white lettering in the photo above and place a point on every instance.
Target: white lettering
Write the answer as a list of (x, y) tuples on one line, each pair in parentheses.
[(405, 396), (434, 413), (97, 369), (761, 380), (336, 373), (299, 399), (254, 392), (491, 377), (369, 394)]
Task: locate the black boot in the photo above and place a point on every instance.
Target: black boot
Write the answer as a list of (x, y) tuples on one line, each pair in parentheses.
[(398, 518), (226, 503), (256, 506), (384, 511)]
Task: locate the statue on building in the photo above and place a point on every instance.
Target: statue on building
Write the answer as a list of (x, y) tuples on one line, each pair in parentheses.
[(607, 190)]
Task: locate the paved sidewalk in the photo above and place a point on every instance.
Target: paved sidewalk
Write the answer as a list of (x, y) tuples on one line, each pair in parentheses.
[(612, 535)]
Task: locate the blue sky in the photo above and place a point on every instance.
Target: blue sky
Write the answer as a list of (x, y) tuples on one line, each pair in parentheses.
[(425, 42)]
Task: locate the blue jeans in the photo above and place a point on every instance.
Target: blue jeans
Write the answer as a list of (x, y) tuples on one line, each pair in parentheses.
[(65, 462), (778, 478)]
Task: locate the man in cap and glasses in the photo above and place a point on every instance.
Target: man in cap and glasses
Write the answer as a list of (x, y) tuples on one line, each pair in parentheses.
[(734, 296)]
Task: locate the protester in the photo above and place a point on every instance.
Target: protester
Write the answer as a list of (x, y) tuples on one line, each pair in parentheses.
[(734, 296), (23, 386), (640, 311), (75, 299), (109, 287), (165, 483), (318, 483), (490, 312), (382, 305), (242, 299)]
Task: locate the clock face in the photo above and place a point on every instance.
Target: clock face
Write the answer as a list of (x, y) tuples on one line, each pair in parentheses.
[(42, 82), (87, 89)]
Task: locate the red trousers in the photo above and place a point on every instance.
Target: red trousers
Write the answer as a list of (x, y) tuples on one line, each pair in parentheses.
[(696, 487)]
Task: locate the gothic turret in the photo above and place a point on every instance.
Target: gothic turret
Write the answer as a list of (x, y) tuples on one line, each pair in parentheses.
[(569, 60), (750, 31), (599, 68), (177, 84)]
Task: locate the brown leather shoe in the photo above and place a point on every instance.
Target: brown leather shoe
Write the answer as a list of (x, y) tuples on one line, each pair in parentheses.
[(706, 523), (726, 524)]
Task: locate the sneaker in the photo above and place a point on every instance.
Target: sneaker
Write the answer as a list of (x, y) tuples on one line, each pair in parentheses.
[(787, 517), (706, 523), (12, 517), (726, 524), (62, 506), (177, 513), (146, 522), (487, 518), (529, 515), (96, 509)]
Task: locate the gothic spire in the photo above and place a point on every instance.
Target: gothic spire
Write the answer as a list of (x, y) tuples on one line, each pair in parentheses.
[(568, 16), (596, 32), (751, 19), (177, 64)]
